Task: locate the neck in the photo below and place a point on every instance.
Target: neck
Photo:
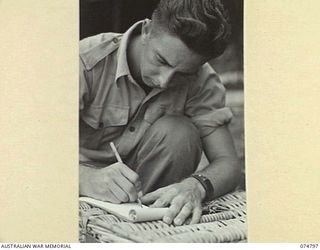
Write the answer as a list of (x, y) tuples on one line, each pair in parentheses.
[(133, 55)]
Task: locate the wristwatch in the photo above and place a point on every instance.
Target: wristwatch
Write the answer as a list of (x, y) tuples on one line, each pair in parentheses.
[(207, 185)]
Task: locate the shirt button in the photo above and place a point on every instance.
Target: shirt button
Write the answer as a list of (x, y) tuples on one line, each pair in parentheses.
[(101, 125), (115, 40), (132, 129)]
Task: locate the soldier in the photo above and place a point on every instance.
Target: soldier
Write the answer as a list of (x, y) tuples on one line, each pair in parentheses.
[(152, 93)]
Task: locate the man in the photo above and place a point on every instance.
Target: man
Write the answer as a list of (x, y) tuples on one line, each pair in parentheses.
[(151, 92)]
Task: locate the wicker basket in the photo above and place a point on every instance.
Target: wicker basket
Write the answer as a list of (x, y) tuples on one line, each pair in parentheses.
[(223, 220)]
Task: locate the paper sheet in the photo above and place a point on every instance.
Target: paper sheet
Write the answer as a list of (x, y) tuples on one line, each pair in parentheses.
[(132, 212)]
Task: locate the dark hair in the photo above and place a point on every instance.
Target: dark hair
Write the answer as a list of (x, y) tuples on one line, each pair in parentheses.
[(203, 25)]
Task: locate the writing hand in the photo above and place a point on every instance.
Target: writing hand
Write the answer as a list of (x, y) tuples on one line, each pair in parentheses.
[(116, 183)]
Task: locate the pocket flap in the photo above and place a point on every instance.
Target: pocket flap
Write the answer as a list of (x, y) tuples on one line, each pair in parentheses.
[(109, 116)]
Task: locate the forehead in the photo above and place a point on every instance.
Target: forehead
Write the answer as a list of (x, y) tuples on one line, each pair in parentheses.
[(175, 51)]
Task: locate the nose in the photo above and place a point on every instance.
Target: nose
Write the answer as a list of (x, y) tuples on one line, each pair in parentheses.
[(165, 77)]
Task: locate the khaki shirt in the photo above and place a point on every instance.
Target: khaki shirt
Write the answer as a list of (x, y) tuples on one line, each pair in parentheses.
[(113, 107)]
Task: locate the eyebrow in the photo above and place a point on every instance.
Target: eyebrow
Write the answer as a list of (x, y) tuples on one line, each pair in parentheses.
[(164, 60)]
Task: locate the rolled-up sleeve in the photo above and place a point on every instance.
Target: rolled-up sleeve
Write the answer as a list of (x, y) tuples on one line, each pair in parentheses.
[(206, 102)]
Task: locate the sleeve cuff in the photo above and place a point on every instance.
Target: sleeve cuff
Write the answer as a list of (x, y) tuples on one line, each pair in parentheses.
[(208, 123)]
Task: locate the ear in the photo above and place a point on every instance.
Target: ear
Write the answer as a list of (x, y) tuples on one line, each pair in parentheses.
[(146, 30)]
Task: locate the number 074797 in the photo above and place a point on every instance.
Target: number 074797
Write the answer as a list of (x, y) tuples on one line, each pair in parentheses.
[(305, 245)]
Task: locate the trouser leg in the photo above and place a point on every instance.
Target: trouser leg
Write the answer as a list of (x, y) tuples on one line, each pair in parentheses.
[(169, 152)]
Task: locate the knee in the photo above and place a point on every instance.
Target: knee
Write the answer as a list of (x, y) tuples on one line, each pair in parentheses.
[(176, 128)]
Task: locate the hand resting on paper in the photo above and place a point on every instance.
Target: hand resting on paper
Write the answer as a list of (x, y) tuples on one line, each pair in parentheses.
[(116, 183), (183, 199)]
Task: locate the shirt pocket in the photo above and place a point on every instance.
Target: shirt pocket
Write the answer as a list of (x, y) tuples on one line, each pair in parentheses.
[(108, 116)]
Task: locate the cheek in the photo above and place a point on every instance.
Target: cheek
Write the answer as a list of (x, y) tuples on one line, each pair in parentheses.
[(148, 69)]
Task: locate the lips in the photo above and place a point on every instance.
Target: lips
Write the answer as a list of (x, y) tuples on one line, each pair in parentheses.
[(154, 85)]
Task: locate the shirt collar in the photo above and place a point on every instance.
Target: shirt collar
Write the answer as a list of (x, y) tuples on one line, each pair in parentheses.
[(122, 66)]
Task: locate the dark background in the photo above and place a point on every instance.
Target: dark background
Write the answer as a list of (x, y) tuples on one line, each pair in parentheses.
[(98, 16)]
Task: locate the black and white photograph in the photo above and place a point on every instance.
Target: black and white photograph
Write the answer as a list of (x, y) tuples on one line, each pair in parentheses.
[(161, 121)]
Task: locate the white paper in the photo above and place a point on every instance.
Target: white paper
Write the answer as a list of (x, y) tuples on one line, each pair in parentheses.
[(132, 212)]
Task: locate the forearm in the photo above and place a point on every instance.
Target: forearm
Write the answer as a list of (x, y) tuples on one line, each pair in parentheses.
[(224, 169), (84, 173), (224, 174)]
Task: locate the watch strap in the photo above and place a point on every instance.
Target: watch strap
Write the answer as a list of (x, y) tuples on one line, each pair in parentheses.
[(207, 185)]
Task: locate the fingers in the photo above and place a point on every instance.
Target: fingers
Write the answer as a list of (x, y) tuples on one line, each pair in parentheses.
[(122, 182), (151, 197), (196, 215), (117, 191), (183, 214), (128, 188), (130, 175), (183, 203), (173, 210), (165, 199), (161, 202), (116, 183), (179, 212)]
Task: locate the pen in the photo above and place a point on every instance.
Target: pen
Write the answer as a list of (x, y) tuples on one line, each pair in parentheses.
[(115, 151)]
